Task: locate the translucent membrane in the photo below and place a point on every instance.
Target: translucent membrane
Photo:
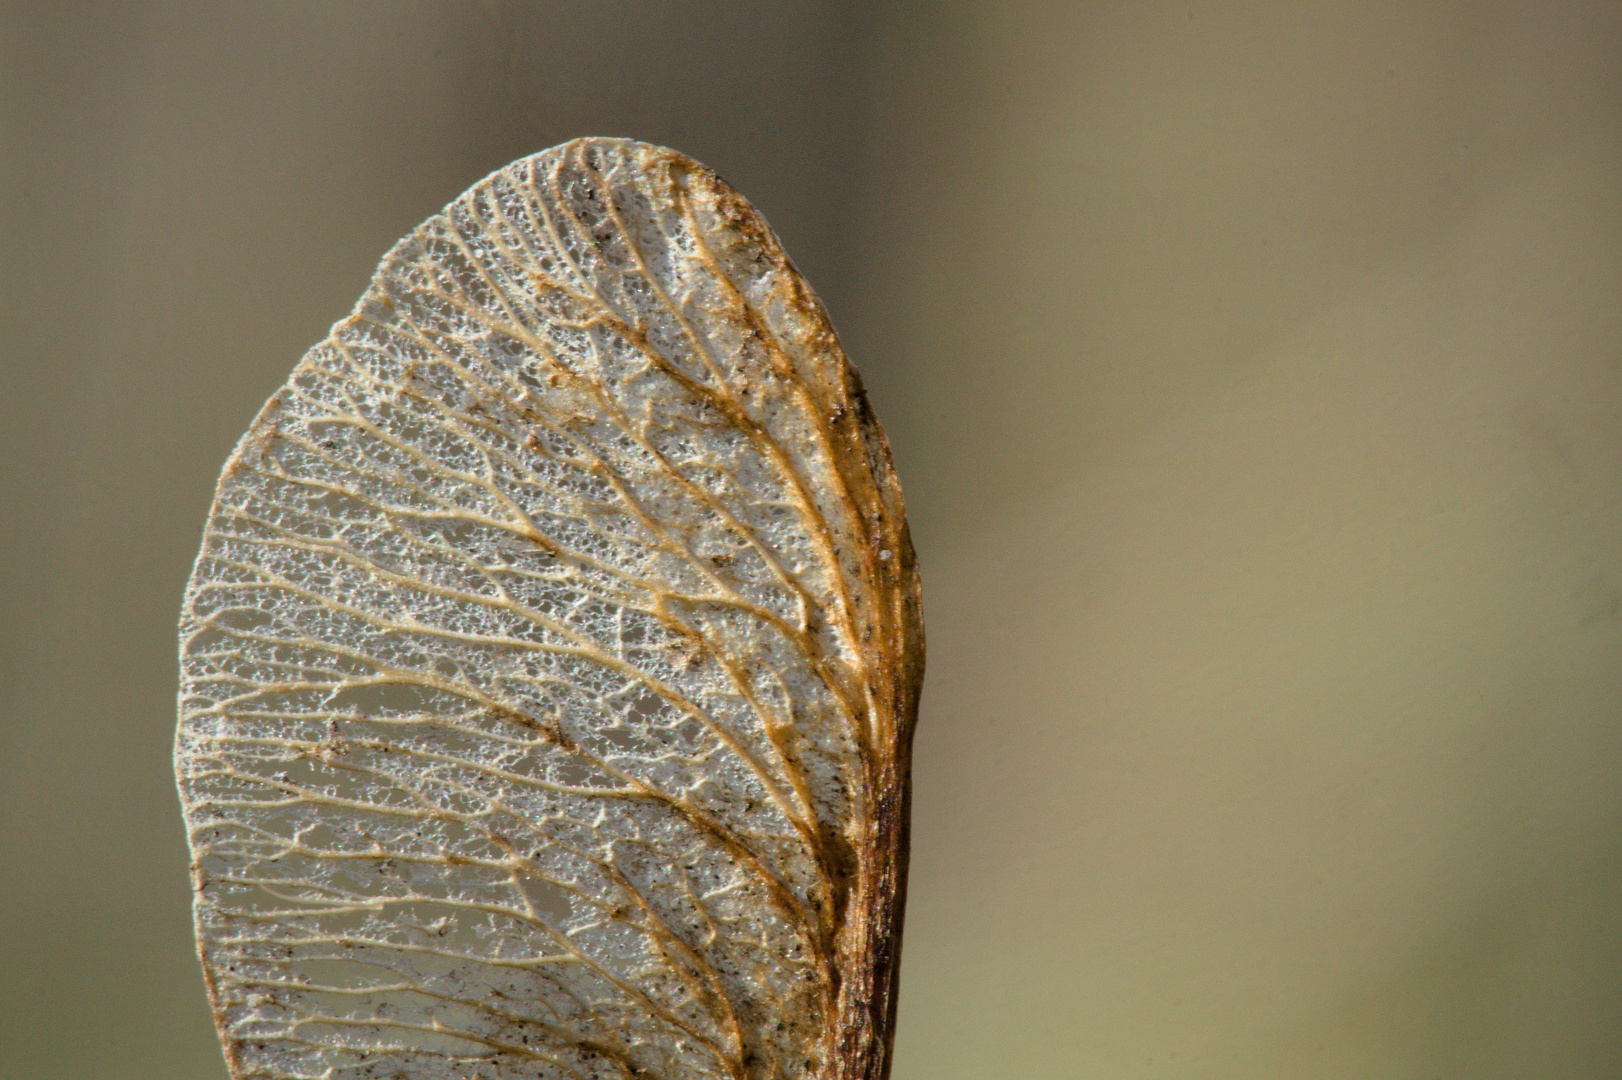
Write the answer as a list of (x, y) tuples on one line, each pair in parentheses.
[(550, 664)]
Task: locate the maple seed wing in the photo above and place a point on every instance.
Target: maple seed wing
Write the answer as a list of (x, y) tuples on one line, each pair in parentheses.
[(550, 663)]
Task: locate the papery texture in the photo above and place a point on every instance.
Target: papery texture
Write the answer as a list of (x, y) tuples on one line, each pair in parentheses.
[(550, 664)]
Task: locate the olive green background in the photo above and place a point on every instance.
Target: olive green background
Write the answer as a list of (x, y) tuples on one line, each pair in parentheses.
[(1255, 375)]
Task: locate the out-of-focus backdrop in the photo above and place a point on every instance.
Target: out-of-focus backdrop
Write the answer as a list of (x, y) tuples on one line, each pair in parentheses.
[(1255, 374)]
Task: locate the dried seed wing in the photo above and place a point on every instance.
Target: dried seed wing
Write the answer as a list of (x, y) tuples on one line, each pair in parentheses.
[(550, 664)]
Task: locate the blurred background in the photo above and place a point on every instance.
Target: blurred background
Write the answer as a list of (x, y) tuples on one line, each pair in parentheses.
[(1255, 374)]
